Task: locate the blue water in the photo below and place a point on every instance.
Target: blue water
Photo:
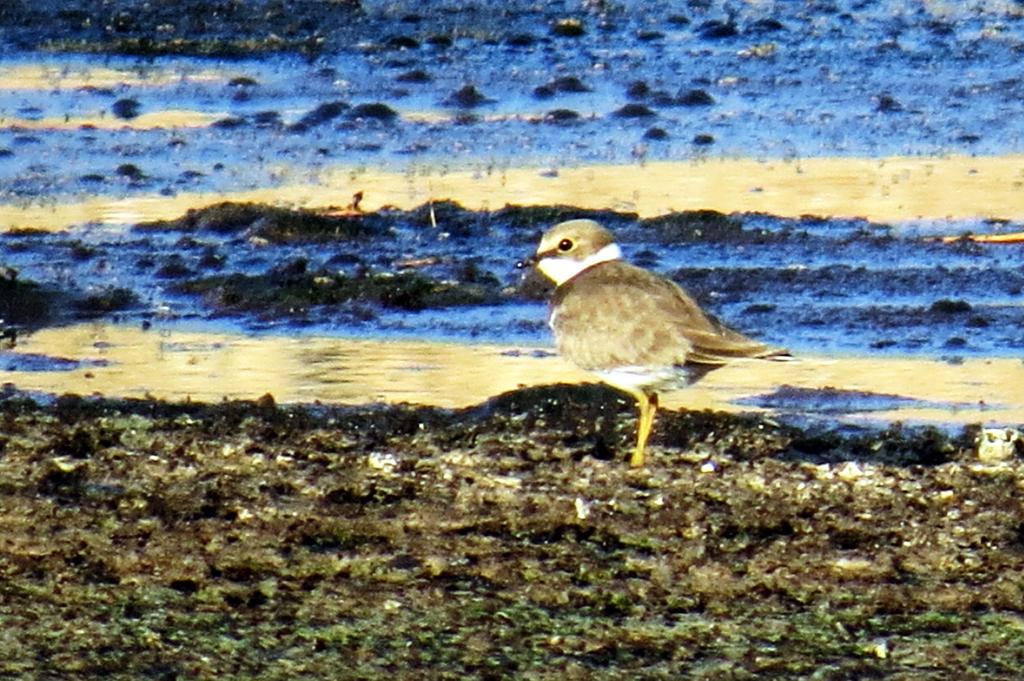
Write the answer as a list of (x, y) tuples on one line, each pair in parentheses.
[(798, 79), (834, 79)]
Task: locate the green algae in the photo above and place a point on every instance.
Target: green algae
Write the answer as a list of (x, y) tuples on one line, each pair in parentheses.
[(246, 539)]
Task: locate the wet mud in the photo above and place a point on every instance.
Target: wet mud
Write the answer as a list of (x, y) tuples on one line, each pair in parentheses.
[(152, 539), (813, 284)]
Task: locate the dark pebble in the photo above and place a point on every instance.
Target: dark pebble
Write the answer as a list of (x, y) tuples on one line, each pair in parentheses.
[(212, 260), (765, 26), (111, 300), (543, 92), (266, 119), (414, 76), (80, 251), (130, 171), (243, 81), (947, 306), (649, 36), (638, 89), (374, 110), (568, 84), (520, 40), (561, 116), (174, 268), (634, 111), (695, 97), (717, 30), (229, 123), (323, 113), (703, 139), (467, 97), (403, 42), (568, 28), (125, 108), (656, 134), (440, 41), (886, 103)]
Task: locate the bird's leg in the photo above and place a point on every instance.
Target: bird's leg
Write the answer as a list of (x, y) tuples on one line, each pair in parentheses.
[(648, 406)]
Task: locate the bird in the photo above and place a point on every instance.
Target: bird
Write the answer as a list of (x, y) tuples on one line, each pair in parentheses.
[(634, 329)]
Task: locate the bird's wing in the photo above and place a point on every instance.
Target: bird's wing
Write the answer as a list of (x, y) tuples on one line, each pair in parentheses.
[(603, 318), (721, 345)]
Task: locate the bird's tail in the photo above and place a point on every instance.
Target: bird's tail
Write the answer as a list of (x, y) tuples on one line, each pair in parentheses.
[(777, 355)]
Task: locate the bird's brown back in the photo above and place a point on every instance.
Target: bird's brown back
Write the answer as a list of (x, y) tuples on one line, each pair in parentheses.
[(599, 316)]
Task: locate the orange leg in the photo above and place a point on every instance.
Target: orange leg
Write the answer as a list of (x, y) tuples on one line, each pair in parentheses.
[(648, 407)]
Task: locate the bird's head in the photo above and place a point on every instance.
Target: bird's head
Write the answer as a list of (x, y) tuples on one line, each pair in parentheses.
[(570, 247)]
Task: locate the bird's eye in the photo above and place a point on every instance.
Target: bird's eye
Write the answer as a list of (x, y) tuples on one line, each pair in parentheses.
[(565, 245)]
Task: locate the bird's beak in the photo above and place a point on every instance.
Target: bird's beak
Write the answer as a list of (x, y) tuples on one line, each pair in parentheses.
[(526, 263)]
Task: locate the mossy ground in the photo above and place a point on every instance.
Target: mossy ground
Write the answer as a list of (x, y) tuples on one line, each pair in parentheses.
[(248, 540)]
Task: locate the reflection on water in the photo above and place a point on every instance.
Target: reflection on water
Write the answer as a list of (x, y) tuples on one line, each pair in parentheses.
[(64, 74), (180, 364), (893, 189), (170, 118)]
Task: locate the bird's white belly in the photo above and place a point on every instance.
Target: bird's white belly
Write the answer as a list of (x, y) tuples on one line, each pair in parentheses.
[(634, 378)]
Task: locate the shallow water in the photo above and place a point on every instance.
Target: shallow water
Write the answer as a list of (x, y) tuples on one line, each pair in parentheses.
[(889, 124), (178, 363), (950, 195)]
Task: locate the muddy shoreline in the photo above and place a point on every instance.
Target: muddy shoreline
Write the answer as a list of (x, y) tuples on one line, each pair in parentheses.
[(250, 539), (443, 271), (509, 538)]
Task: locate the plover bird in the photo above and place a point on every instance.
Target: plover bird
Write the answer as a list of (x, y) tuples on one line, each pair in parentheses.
[(635, 330)]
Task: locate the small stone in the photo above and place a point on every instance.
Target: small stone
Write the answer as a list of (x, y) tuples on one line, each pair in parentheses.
[(1000, 444), (125, 108), (373, 110), (717, 30), (403, 42), (561, 116), (414, 76), (568, 28), (520, 40), (886, 103), (440, 41), (467, 97), (633, 111), (947, 306), (695, 98), (568, 84), (638, 89)]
